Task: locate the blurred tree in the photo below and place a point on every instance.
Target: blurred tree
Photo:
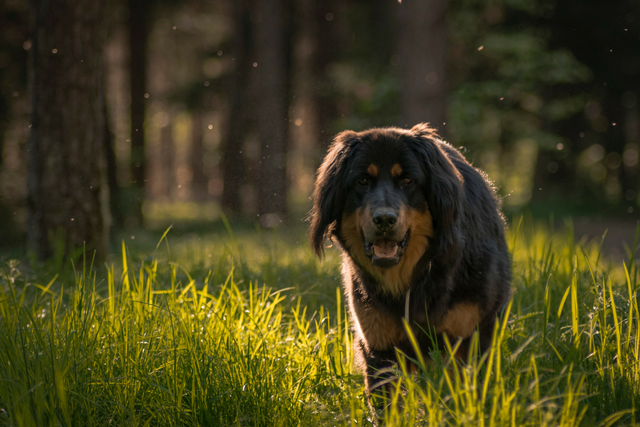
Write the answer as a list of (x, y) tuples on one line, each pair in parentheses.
[(363, 78), (325, 23), (139, 26), (13, 29), (168, 155), (199, 102), (604, 132), (116, 211), (422, 62), (233, 170), (66, 149), (544, 93), (199, 179), (273, 55), (117, 214), (14, 46), (505, 89)]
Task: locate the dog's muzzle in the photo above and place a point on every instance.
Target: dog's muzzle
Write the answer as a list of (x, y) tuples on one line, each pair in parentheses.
[(385, 252)]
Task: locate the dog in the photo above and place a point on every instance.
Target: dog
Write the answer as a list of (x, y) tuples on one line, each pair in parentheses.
[(422, 239)]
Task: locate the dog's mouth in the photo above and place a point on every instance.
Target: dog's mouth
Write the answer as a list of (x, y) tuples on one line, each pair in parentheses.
[(384, 252)]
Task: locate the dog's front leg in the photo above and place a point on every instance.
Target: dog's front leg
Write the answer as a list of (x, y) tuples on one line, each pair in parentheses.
[(378, 375)]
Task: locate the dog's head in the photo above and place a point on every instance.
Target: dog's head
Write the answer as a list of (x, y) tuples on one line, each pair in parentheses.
[(387, 195)]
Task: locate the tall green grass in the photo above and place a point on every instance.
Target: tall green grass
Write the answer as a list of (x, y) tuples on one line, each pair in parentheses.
[(251, 330)]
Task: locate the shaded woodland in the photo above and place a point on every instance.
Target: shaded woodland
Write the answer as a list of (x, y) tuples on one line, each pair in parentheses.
[(122, 114)]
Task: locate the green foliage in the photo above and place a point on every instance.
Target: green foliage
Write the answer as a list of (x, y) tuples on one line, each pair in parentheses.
[(257, 334), (512, 85)]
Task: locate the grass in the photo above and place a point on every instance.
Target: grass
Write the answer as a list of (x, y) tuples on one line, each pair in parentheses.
[(251, 330)]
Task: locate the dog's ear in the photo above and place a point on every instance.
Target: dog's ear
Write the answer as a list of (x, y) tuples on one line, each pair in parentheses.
[(329, 194), (443, 190)]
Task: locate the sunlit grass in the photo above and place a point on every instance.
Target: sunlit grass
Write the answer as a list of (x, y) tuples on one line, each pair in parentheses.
[(250, 329)]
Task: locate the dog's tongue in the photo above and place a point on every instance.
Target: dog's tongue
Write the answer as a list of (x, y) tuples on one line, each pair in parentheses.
[(385, 248)]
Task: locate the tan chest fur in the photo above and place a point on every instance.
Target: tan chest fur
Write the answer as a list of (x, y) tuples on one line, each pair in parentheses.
[(461, 321), (383, 331)]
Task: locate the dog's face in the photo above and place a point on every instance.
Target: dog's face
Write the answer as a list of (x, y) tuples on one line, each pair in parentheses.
[(386, 195), (385, 212)]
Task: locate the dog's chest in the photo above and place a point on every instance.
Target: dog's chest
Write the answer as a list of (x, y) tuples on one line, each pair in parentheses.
[(380, 328)]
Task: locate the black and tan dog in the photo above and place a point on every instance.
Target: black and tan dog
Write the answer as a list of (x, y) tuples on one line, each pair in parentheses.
[(422, 238)]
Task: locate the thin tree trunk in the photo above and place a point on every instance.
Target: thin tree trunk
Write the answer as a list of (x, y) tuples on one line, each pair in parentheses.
[(4, 101), (328, 45), (2, 131), (117, 219), (272, 109), (422, 55), (66, 148), (168, 156), (199, 180), (138, 36), (233, 160)]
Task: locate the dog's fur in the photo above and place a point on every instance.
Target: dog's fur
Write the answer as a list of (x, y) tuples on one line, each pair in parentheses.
[(411, 215)]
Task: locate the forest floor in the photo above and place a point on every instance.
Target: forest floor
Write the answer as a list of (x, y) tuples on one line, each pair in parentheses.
[(620, 234), (238, 326)]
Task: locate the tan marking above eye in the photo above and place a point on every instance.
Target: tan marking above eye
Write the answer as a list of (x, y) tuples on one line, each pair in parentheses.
[(396, 170), (372, 170)]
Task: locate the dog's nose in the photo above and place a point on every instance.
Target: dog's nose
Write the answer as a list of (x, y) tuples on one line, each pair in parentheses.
[(384, 219)]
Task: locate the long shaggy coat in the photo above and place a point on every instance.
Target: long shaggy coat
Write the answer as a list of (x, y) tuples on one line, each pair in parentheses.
[(422, 239)]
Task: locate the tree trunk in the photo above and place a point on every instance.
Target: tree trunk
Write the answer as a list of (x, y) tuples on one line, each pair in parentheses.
[(3, 129), (199, 179), (422, 62), (233, 172), (138, 35), (168, 156), (327, 46), (272, 109), (117, 218), (66, 147)]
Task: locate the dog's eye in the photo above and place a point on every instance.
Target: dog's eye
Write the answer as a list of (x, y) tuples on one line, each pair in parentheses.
[(407, 181), (363, 181)]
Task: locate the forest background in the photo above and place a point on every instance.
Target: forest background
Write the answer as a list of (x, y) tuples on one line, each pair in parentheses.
[(192, 108), (120, 118)]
